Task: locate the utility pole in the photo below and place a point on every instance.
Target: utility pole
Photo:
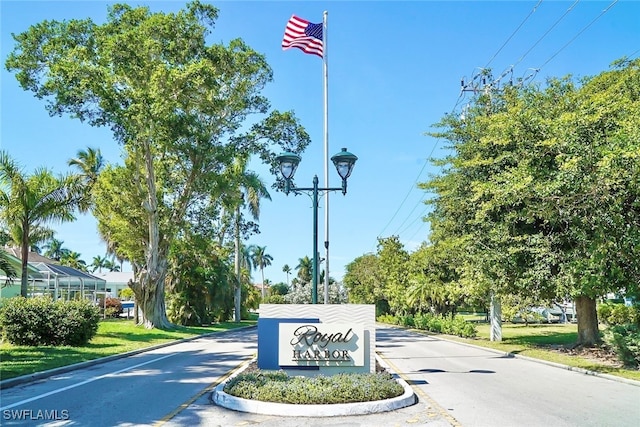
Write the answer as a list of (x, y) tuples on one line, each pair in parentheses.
[(484, 83), (478, 84)]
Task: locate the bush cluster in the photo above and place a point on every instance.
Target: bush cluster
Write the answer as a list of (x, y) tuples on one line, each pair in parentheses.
[(625, 341), (623, 332), (275, 299), (455, 325), (113, 307), (277, 386), (41, 321), (618, 314)]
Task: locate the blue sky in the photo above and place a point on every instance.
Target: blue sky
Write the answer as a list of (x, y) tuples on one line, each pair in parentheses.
[(394, 70)]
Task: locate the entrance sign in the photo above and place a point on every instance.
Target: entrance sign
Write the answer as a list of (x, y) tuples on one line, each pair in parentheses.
[(317, 339), (321, 344)]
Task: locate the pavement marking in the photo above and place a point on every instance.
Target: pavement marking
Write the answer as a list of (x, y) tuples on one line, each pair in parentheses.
[(90, 380), (210, 387), (439, 409)]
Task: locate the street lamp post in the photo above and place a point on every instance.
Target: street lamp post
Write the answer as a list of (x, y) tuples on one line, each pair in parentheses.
[(344, 162)]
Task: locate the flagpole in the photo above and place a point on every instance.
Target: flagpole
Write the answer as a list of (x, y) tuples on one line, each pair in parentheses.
[(326, 153)]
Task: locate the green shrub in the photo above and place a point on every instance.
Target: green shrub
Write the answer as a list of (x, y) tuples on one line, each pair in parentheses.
[(434, 323), (78, 322), (126, 293), (387, 318), (604, 311), (113, 307), (618, 314), (405, 321), (275, 299), (625, 341), (270, 386), (41, 321)]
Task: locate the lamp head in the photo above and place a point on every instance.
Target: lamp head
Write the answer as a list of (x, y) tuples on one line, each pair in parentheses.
[(344, 162), (288, 164)]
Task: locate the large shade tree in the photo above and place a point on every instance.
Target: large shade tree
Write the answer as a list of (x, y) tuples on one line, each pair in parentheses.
[(542, 191), (177, 105)]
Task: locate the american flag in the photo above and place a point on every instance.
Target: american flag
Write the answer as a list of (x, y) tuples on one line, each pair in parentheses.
[(304, 35)]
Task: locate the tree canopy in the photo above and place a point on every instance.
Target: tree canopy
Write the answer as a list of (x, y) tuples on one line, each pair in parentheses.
[(538, 200), (179, 107), (542, 188)]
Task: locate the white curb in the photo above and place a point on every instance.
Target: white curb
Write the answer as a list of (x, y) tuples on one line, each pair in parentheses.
[(225, 400)]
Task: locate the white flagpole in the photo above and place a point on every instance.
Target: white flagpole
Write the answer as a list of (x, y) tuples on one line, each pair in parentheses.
[(326, 154)]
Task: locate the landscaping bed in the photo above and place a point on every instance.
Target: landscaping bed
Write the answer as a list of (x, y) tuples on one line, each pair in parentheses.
[(279, 387)]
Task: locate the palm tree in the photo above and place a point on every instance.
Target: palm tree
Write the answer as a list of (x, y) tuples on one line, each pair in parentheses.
[(98, 263), (5, 265), (246, 258), (250, 190), (305, 267), (261, 259), (287, 270), (111, 265), (27, 202), (72, 259), (90, 163), (54, 250)]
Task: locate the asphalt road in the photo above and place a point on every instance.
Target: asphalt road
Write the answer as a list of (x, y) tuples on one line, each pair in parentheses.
[(133, 391), (458, 385), (477, 387)]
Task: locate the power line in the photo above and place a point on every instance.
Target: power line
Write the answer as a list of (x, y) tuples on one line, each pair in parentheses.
[(409, 215), (414, 184), (514, 33), (424, 211), (547, 32), (426, 162), (580, 32), (479, 80)]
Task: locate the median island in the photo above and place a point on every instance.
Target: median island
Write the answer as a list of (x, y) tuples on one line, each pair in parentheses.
[(280, 387)]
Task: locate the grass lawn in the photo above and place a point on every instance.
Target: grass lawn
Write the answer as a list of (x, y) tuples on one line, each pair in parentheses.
[(114, 337), (536, 341)]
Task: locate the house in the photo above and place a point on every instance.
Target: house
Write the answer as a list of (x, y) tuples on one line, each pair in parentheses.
[(11, 288), (116, 281), (47, 277)]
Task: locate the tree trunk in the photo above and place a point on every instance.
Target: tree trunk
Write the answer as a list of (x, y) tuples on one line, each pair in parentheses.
[(588, 334), (238, 290), (149, 295), (150, 284), (495, 334), (24, 253)]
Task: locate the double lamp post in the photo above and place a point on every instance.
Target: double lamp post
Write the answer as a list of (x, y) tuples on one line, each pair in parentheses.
[(344, 162)]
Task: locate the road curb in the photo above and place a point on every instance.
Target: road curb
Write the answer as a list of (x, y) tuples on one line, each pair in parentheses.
[(12, 382), (408, 398), (531, 359)]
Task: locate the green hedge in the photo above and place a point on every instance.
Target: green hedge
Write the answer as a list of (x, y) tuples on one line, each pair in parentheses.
[(433, 323), (277, 386), (623, 332), (619, 314), (625, 341), (41, 321)]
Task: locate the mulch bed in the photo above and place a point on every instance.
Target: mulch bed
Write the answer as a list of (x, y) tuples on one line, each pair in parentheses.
[(599, 354)]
